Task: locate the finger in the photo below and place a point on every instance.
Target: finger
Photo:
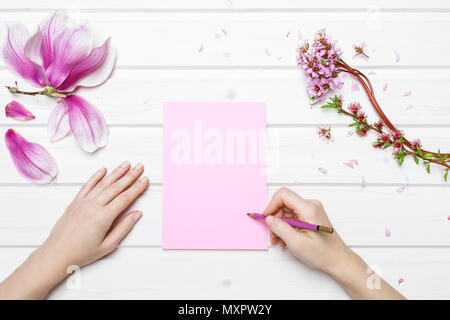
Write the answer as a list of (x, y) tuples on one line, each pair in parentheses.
[(120, 185), (116, 174), (91, 183), (126, 198), (120, 231), (283, 230), (285, 197)]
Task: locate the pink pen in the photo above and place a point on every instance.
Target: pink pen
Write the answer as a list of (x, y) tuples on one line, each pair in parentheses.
[(295, 223)]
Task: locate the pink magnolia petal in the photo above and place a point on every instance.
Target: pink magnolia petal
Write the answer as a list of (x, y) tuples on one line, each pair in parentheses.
[(32, 161), (92, 70), (385, 86), (401, 189), (58, 122), (406, 94), (16, 110), (87, 123), (13, 52), (363, 183), (348, 164), (387, 232), (69, 46), (51, 28), (323, 170), (32, 48)]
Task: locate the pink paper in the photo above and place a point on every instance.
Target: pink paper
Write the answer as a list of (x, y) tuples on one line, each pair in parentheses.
[(214, 161)]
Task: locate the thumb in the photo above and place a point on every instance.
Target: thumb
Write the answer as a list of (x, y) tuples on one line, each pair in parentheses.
[(287, 233)]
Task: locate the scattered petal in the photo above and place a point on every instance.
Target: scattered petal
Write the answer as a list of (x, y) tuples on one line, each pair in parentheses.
[(401, 189), (400, 281), (32, 161), (370, 73), (323, 170), (201, 48), (349, 133), (409, 107), (397, 56), (355, 161), (87, 123), (448, 218), (348, 164), (267, 52), (288, 34), (299, 35), (363, 183), (387, 232), (278, 58), (355, 86), (58, 122), (385, 86), (16, 110), (406, 94), (224, 31)]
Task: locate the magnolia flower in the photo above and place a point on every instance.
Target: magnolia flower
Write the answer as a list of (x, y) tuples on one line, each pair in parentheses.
[(59, 58), (32, 161)]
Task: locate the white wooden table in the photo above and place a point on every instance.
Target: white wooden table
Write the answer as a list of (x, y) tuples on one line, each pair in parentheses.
[(158, 60)]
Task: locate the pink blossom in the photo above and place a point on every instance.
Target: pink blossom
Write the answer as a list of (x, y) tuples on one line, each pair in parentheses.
[(396, 134), (323, 170), (362, 132), (354, 107), (17, 111), (32, 161), (324, 134), (359, 51), (59, 58), (416, 144), (397, 146)]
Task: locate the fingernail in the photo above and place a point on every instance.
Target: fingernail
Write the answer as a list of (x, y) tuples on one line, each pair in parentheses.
[(101, 170), (124, 164), (138, 167), (143, 180), (137, 216), (269, 220)]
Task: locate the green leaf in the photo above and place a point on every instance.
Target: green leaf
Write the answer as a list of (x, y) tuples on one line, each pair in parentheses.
[(400, 160), (446, 176), (428, 156), (353, 124), (419, 152), (416, 160), (428, 168)]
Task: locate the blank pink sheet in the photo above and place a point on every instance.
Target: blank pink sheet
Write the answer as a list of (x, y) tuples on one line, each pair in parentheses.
[(213, 174)]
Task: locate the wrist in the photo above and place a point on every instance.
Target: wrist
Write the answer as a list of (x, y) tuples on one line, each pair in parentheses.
[(348, 266)]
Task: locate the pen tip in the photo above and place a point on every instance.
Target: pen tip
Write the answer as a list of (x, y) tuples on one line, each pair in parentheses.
[(250, 214)]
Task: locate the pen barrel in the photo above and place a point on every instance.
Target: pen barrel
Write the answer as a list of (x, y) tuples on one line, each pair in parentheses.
[(300, 224)]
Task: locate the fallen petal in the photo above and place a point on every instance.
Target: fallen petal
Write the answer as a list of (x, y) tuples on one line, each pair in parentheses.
[(400, 281), (348, 164), (267, 52), (385, 86), (299, 35), (349, 133), (409, 107), (363, 183), (406, 94), (355, 161), (323, 170), (16, 110), (387, 232), (225, 32), (397, 56), (371, 73), (32, 161), (58, 122), (87, 123), (401, 189), (355, 86), (201, 48), (13, 52), (93, 70)]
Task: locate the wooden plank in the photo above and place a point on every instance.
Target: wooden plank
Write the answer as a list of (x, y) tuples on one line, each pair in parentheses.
[(225, 4), (151, 273), (417, 217), (294, 154), (173, 39), (137, 96)]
